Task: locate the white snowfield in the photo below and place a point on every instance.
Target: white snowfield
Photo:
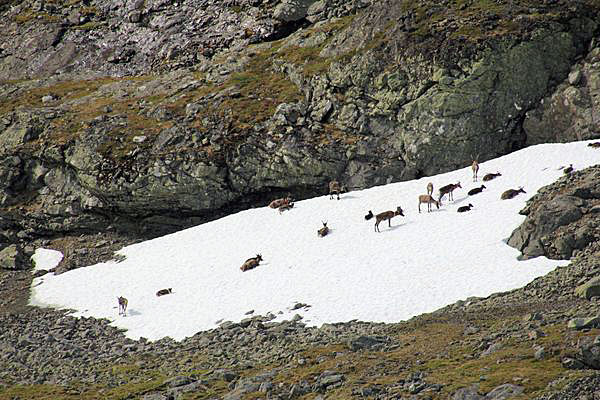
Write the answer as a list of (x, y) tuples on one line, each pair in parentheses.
[(423, 262)]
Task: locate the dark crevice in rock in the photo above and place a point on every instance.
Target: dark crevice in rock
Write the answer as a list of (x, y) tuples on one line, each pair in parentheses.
[(285, 29)]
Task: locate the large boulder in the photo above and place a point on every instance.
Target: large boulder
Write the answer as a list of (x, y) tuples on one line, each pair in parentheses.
[(12, 258), (589, 289), (560, 221)]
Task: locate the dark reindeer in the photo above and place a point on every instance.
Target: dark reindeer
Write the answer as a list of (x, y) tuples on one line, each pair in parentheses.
[(510, 193), (122, 305), (324, 230), (475, 191), (465, 208), (162, 292), (489, 177), (369, 215), (595, 145), (448, 189), (426, 198), (387, 215), (251, 263)]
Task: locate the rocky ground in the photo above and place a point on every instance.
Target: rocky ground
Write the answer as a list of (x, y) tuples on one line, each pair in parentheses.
[(541, 341)]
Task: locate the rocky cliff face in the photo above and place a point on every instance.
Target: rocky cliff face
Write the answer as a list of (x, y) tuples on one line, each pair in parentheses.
[(156, 115)]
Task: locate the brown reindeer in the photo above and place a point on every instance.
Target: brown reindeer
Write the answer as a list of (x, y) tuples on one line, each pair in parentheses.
[(324, 230), (387, 215), (475, 169), (448, 189), (336, 188), (162, 292), (510, 193), (251, 263), (280, 202), (430, 188), (286, 207), (595, 145), (489, 177), (427, 198), (122, 305)]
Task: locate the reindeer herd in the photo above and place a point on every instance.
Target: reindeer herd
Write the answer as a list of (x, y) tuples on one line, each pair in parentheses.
[(335, 189)]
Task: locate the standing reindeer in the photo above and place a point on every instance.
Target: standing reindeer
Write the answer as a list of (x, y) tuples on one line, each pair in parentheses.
[(336, 188), (430, 189), (448, 189), (387, 215), (475, 168), (510, 193), (324, 230), (427, 198), (122, 305), (251, 263)]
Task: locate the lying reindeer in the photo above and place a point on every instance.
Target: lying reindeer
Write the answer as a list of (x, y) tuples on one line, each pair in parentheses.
[(465, 208), (369, 215), (489, 177), (426, 198), (595, 145), (324, 230), (475, 191), (280, 202), (336, 188), (162, 292), (251, 263), (510, 193), (122, 305), (387, 215), (448, 189)]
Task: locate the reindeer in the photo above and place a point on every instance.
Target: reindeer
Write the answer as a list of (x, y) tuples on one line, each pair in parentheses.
[(448, 189), (489, 177), (568, 170), (336, 188), (122, 305), (510, 193), (162, 292), (369, 215), (251, 263), (280, 202), (387, 215), (473, 192), (285, 207), (324, 230), (430, 188), (465, 208), (427, 198), (595, 145), (475, 168)]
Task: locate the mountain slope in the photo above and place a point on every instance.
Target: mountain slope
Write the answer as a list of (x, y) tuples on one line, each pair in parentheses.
[(423, 262)]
